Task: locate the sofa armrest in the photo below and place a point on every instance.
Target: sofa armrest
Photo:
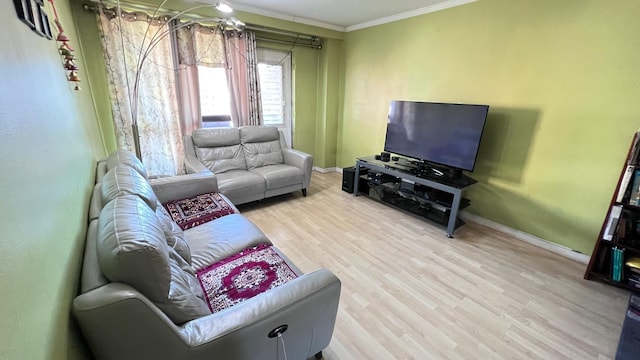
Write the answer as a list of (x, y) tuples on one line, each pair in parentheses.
[(194, 166), (301, 160), (320, 286), (184, 186), (191, 162), (119, 322)]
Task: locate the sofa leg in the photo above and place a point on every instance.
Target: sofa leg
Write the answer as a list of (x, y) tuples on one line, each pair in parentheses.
[(304, 192), (318, 356)]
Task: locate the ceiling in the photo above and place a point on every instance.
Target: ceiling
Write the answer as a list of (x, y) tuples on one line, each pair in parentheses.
[(343, 15)]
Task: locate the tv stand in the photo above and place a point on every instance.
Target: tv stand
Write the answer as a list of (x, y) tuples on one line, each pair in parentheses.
[(420, 189)]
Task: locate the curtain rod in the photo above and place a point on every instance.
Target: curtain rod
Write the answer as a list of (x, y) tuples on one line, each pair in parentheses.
[(281, 32), (313, 46), (194, 17)]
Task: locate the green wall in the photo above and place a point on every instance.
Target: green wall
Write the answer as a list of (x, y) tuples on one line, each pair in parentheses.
[(305, 99), (562, 81), (330, 74), (49, 141), (96, 72)]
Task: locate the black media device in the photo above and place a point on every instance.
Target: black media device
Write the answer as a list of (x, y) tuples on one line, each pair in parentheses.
[(348, 180), (378, 178), (442, 137), (348, 175), (385, 156)]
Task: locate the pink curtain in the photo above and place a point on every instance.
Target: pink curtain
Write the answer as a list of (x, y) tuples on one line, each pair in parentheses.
[(187, 81), (189, 98), (242, 75)]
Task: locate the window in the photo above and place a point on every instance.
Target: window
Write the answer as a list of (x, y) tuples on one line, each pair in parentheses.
[(271, 93), (274, 71), (215, 101)]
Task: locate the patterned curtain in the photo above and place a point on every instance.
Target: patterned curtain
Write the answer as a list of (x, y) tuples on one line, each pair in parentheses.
[(255, 95), (242, 75), (154, 108)]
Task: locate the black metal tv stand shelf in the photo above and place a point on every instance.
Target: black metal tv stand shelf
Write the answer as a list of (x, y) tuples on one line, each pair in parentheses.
[(427, 193)]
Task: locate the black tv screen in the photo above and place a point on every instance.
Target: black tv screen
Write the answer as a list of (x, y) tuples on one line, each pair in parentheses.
[(441, 133)]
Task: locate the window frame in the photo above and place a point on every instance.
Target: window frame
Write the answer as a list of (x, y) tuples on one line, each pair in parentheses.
[(275, 57)]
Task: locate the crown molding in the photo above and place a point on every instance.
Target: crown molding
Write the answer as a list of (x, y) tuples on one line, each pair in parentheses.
[(409, 14), (287, 17)]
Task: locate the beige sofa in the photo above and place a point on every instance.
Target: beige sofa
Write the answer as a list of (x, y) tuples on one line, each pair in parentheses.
[(140, 298), (248, 163)]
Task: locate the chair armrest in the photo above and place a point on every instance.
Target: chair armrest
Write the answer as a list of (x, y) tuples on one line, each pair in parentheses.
[(301, 160), (184, 186)]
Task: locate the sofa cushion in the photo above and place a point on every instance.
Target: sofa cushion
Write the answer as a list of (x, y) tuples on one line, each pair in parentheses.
[(92, 277), (95, 203), (216, 137), (263, 154), (125, 180), (132, 249), (277, 176), (173, 233), (261, 146), (222, 159), (217, 240), (238, 183), (125, 157), (257, 134)]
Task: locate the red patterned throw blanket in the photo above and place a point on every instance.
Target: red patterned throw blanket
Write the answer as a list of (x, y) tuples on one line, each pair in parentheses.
[(197, 210), (243, 276)]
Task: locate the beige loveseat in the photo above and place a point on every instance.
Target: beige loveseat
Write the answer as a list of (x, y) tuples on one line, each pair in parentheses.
[(248, 163), (140, 297)]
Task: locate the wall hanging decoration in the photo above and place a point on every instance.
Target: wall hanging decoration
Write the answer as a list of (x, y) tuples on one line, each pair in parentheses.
[(65, 50)]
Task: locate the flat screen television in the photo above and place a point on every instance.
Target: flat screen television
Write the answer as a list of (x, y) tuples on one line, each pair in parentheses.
[(436, 133)]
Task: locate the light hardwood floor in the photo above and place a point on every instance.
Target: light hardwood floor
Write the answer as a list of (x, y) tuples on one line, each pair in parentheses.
[(409, 292)]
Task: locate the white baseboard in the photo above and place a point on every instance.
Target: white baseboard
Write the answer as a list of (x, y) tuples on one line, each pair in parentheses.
[(327, 170), (528, 238), (520, 235)]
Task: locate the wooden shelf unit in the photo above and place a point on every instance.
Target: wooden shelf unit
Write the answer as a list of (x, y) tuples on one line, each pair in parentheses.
[(624, 233)]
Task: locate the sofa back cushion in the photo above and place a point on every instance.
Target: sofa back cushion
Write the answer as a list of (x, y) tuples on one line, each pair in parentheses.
[(261, 145), (173, 233), (92, 277), (132, 249), (125, 180), (219, 149), (125, 157)]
